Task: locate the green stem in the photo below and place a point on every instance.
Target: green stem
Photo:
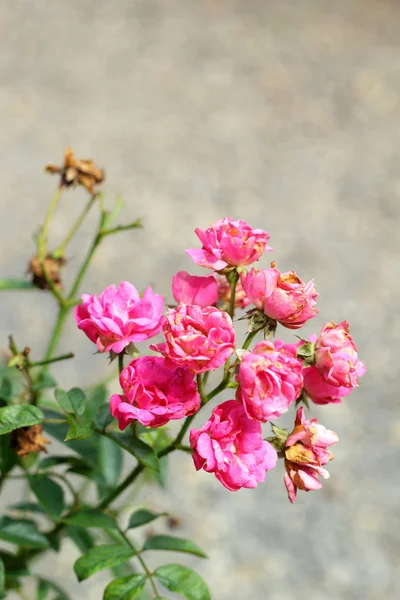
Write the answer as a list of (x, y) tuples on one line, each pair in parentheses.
[(40, 363), (83, 269), (200, 387), (136, 225), (233, 279), (62, 315), (249, 339), (58, 252), (220, 388), (57, 295), (42, 243), (16, 284), (55, 421), (180, 435), (120, 361), (121, 488), (145, 567)]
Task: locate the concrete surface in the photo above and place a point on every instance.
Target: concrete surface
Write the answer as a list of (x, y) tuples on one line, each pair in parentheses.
[(286, 114)]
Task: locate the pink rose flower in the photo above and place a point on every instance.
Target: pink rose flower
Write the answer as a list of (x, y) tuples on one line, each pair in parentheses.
[(119, 316), (281, 296), (319, 391), (224, 293), (270, 379), (202, 339), (190, 289), (336, 356), (305, 454), (229, 243), (154, 392), (231, 446)]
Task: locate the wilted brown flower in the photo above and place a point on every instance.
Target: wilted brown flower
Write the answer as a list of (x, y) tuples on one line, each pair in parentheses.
[(74, 171), (51, 266), (28, 439)]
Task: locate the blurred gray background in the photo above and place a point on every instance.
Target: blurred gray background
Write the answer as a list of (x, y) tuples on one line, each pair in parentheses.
[(286, 114)]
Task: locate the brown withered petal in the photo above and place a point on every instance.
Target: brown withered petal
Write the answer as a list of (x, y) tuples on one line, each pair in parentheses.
[(51, 266), (26, 440), (76, 171)]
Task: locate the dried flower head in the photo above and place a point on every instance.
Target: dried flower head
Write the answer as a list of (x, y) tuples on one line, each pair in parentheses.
[(26, 440), (78, 172), (45, 271)]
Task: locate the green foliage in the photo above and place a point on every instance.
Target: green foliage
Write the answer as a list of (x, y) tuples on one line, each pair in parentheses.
[(50, 494), (101, 557), (45, 586), (44, 381), (92, 450), (82, 539), (12, 383), (2, 579), (91, 518), (167, 542), (183, 580), (143, 452), (8, 458), (79, 428), (22, 532), (125, 588), (110, 461), (19, 415), (142, 517)]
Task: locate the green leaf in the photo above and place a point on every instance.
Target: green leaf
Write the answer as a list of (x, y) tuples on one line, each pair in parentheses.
[(43, 589), (8, 458), (167, 542), (12, 383), (101, 557), (144, 453), (61, 595), (87, 448), (125, 588), (141, 517), (2, 579), (63, 400), (103, 417), (77, 399), (19, 415), (79, 429), (45, 381), (82, 539), (22, 532), (15, 566), (52, 461), (110, 461), (178, 578), (95, 400), (28, 507), (49, 494), (91, 518)]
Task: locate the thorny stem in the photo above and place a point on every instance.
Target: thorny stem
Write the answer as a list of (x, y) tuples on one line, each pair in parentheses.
[(42, 243), (58, 252)]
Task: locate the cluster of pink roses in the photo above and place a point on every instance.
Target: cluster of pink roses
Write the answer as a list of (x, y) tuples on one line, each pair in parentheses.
[(199, 337)]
